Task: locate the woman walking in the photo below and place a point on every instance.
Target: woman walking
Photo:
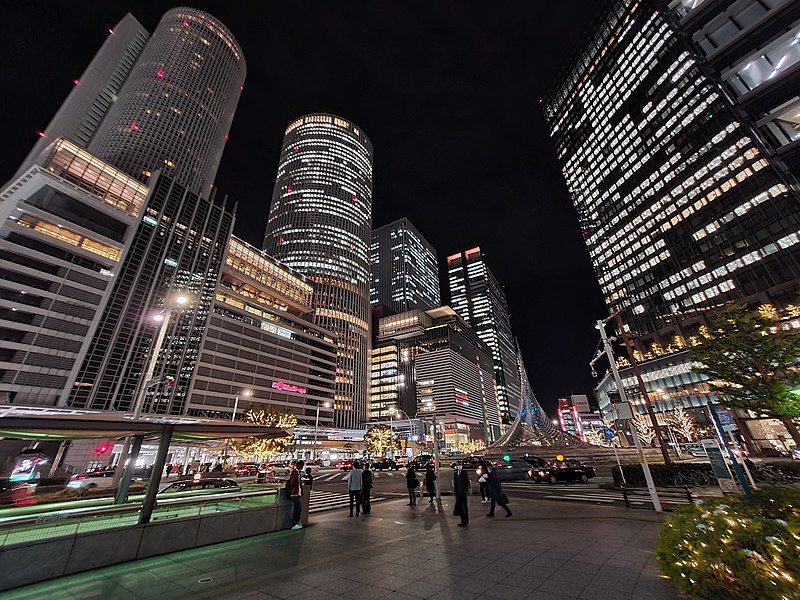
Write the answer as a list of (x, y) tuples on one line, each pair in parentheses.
[(412, 483), (430, 482), (498, 497), (354, 485)]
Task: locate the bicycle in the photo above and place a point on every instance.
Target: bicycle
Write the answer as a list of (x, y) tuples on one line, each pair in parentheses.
[(690, 478)]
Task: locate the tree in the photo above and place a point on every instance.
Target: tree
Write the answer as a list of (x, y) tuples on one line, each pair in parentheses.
[(683, 424), (751, 359), (644, 429), (260, 448), (378, 440)]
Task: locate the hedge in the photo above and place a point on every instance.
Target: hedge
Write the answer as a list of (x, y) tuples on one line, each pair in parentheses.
[(663, 475), (735, 547)]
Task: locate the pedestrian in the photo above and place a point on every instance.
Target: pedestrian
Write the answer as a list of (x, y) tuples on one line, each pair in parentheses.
[(354, 484), (430, 482), (483, 480), (169, 469), (296, 493), (308, 478), (366, 486), (461, 491), (498, 497), (412, 483)]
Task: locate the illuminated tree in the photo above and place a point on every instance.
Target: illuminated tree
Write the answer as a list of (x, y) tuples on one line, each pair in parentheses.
[(258, 448), (468, 447), (644, 429), (378, 440), (683, 424), (751, 359)]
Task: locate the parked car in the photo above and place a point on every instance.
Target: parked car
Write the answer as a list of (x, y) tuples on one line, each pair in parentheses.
[(563, 470), (218, 484), (385, 463), (246, 470), (345, 465)]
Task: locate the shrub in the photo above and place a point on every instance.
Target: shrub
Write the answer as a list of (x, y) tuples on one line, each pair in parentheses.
[(663, 475), (735, 547)]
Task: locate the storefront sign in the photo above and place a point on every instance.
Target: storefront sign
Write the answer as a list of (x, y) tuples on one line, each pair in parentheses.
[(288, 387)]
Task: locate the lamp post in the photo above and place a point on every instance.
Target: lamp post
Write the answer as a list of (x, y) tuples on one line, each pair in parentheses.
[(316, 428), (246, 393), (436, 461), (123, 472)]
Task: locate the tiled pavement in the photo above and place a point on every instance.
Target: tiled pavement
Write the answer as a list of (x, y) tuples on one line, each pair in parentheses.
[(546, 551)]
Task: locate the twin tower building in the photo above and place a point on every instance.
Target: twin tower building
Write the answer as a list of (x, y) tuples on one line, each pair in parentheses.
[(113, 215)]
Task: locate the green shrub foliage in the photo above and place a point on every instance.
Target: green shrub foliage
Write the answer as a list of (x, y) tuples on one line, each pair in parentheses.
[(663, 475), (734, 547)]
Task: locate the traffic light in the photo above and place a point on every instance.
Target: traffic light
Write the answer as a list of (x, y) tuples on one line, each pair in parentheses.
[(102, 449), (506, 457)]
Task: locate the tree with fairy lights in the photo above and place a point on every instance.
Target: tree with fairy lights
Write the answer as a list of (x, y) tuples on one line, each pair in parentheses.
[(644, 429), (258, 448), (751, 358), (379, 440), (683, 424)]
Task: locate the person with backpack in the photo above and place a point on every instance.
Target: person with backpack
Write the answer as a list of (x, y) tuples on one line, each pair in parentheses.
[(295, 487), (354, 487), (412, 483)]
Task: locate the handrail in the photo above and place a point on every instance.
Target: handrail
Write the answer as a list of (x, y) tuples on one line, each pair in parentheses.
[(75, 513)]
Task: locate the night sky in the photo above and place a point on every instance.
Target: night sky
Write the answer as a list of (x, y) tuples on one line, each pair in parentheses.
[(448, 94)]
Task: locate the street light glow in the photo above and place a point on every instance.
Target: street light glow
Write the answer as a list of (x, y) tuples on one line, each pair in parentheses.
[(181, 300)]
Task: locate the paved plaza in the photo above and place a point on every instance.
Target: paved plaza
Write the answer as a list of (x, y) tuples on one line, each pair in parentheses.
[(546, 551)]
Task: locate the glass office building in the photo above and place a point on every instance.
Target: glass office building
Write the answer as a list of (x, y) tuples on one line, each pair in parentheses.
[(681, 206), (479, 299), (405, 273), (319, 224)]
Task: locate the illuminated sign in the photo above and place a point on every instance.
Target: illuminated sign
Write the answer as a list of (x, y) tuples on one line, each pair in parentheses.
[(288, 387)]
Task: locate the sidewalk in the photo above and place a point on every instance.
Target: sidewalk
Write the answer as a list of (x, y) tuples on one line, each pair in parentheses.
[(546, 551)]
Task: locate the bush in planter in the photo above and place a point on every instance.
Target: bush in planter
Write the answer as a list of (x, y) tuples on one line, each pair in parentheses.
[(663, 475), (735, 547)]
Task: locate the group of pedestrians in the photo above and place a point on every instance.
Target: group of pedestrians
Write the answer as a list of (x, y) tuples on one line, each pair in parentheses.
[(359, 486)]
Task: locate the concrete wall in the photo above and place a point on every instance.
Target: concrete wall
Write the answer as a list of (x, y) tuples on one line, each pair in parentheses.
[(23, 564)]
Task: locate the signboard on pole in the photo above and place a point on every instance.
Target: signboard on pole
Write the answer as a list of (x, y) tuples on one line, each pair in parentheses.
[(719, 465)]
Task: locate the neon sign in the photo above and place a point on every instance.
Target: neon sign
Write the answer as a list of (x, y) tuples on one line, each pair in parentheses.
[(288, 387)]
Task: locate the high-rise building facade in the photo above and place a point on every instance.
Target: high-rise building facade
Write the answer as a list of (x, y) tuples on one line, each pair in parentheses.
[(433, 363), (91, 97), (319, 224), (405, 272), (261, 346), (479, 299), (681, 206), (65, 226), (174, 112)]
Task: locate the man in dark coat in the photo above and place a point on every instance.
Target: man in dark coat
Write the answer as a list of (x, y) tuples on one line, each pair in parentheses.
[(296, 492), (461, 491), (430, 482), (412, 483), (366, 486), (498, 497)]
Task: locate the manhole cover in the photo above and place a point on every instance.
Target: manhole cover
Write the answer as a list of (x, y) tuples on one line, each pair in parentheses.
[(205, 580)]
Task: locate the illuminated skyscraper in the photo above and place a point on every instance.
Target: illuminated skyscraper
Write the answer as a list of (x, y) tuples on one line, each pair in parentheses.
[(175, 110), (319, 224), (91, 97), (479, 299), (681, 206), (405, 273)]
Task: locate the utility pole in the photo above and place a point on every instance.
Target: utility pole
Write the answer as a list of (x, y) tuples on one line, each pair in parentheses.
[(648, 477)]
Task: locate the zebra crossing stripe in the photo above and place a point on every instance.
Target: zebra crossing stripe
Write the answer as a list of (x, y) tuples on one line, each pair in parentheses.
[(324, 500)]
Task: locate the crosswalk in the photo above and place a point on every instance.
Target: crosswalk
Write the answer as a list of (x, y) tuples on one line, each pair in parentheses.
[(578, 493), (322, 500), (342, 475)]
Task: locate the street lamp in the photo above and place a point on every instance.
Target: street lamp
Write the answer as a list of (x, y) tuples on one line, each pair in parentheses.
[(246, 393), (316, 427), (122, 480)]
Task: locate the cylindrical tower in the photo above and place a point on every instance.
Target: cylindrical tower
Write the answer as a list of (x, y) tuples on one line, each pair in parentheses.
[(320, 224), (175, 110)]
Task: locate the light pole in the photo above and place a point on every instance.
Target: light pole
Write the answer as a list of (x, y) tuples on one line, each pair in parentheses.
[(316, 428), (432, 409), (246, 393), (123, 472)]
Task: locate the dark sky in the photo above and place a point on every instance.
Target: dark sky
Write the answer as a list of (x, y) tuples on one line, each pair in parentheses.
[(448, 92)]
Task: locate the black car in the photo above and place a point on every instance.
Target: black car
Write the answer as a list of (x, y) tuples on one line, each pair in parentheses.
[(208, 484), (101, 472), (471, 463), (563, 470), (421, 462), (385, 463), (505, 470)]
